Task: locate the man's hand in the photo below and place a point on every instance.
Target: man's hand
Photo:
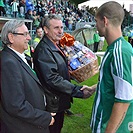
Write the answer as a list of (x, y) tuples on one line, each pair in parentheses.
[(52, 121), (88, 91)]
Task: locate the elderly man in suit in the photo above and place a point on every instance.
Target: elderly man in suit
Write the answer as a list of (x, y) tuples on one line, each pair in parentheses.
[(22, 97)]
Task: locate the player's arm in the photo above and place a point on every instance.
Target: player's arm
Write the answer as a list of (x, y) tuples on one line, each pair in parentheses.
[(118, 113)]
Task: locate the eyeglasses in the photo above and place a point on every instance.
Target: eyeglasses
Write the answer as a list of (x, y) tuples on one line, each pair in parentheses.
[(25, 34)]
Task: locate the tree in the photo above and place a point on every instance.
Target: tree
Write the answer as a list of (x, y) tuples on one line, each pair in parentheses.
[(77, 1), (92, 10), (128, 19)]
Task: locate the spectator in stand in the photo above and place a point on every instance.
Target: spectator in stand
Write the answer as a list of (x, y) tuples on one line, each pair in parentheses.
[(38, 8), (22, 8), (66, 20), (29, 15), (130, 40), (44, 8), (96, 39), (52, 9), (29, 5), (36, 20), (70, 22), (2, 9), (15, 6), (39, 35)]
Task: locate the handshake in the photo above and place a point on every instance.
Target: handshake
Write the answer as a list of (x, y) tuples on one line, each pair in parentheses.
[(88, 91)]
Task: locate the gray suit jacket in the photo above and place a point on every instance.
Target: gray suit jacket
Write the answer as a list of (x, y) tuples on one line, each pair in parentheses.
[(22, 99)]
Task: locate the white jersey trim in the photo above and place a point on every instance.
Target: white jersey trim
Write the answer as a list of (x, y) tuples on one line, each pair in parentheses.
[(118, 58), (123, 89), (132, 69)]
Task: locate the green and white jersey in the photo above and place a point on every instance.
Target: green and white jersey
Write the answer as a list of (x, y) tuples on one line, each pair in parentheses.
[(115, 85)]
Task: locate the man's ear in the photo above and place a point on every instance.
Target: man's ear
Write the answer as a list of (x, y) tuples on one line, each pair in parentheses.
[(106, 21), (45, 29), (11, 37)]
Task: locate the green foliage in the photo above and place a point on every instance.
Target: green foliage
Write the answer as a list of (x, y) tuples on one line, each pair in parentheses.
[(76, 2), (92, 10), (105, 46)]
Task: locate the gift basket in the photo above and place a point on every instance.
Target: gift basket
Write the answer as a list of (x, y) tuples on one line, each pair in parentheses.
[(83, 63)]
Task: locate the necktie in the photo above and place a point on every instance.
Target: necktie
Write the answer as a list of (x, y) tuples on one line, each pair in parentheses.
[(28, 59)]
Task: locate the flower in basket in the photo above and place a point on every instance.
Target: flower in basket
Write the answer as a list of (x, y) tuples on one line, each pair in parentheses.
[(67, 40)]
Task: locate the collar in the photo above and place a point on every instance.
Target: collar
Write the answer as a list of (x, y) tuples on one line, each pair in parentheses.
[(22, 56)]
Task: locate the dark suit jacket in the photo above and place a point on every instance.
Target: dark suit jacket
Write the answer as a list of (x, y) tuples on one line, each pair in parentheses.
[(51, 67), (22, 98)]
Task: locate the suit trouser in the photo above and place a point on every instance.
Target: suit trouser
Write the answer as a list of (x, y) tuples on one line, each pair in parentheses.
[(2, 10), (58, 124), (95, 46), (3, 128)]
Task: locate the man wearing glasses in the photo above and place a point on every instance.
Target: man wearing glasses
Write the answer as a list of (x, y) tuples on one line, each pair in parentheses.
[(22, 99)]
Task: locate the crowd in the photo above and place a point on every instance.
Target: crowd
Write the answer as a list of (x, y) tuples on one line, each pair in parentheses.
[(35, 10)]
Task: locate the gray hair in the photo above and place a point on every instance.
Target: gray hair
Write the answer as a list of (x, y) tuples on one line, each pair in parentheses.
[(10, 27), (113, 11), (46, 19)]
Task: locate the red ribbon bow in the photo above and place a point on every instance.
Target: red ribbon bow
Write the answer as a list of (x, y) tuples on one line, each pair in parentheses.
[(67, 40)]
